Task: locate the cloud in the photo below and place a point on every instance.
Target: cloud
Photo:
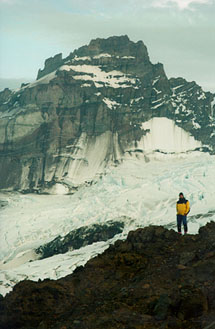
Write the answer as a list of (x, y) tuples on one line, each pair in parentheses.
[(182, 4)]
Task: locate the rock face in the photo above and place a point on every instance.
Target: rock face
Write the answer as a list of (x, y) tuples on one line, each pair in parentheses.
[(51, 64), (154, 279), (86, 111)]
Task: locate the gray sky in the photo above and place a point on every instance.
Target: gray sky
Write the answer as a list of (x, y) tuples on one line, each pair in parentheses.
[(178, 33)]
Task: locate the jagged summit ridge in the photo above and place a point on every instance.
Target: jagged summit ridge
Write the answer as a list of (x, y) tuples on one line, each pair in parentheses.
[(89, 110), (117, 47)]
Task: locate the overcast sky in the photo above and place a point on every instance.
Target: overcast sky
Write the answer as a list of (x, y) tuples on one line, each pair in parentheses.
[(178, 33)]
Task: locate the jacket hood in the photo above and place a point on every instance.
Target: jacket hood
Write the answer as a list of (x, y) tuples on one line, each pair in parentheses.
[(183, 200)]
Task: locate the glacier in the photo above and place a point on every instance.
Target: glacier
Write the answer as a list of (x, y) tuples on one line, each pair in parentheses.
[(141, 190)]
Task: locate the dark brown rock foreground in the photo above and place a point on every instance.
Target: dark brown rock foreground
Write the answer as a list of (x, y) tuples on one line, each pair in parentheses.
[(154, 279)]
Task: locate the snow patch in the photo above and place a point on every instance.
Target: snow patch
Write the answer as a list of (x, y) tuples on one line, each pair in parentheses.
[(136, 100), (102, 55), (114, 79), (128, 57), (202, 96), (196, 125), (158, 105), (155, 80), (86, 85), (212, 107), (42, 81), (157, 100), (110, 103), (58, 189), (84, 58), (175, 88), (157, 91)]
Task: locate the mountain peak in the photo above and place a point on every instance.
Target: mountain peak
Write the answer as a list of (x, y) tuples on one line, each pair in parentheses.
[(103, 96), (117, 45), (114, 46), (112, 39)]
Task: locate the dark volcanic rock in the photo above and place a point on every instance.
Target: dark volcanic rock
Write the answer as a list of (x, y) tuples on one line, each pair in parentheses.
[(194, 109), (80, 237), (136, 283), (51, 64), (114, 46), (91, 105), (5, 95)]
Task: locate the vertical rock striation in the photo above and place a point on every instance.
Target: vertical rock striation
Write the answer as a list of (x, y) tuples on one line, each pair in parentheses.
[(86, 111)]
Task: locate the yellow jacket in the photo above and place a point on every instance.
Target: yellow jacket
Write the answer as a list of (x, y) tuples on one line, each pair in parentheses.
[(182, 207)]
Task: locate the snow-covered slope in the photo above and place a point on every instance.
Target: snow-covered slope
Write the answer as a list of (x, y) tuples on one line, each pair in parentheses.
[(162, 134), (136, 192)]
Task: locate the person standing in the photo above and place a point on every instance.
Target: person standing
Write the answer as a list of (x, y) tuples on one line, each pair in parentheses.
[(183, 208)]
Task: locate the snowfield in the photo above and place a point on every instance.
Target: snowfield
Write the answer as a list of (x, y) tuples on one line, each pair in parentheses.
[(140, 191)]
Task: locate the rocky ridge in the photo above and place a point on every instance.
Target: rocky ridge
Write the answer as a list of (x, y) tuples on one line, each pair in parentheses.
[(153, 279), (86, 111), (83, 236)]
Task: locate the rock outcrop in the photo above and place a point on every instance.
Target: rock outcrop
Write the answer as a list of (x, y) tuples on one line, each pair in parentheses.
[(80, 237), (86, 112), (153, 279), (51, 64)]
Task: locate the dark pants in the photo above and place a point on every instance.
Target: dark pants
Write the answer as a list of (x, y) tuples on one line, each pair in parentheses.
[(180, 219)]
